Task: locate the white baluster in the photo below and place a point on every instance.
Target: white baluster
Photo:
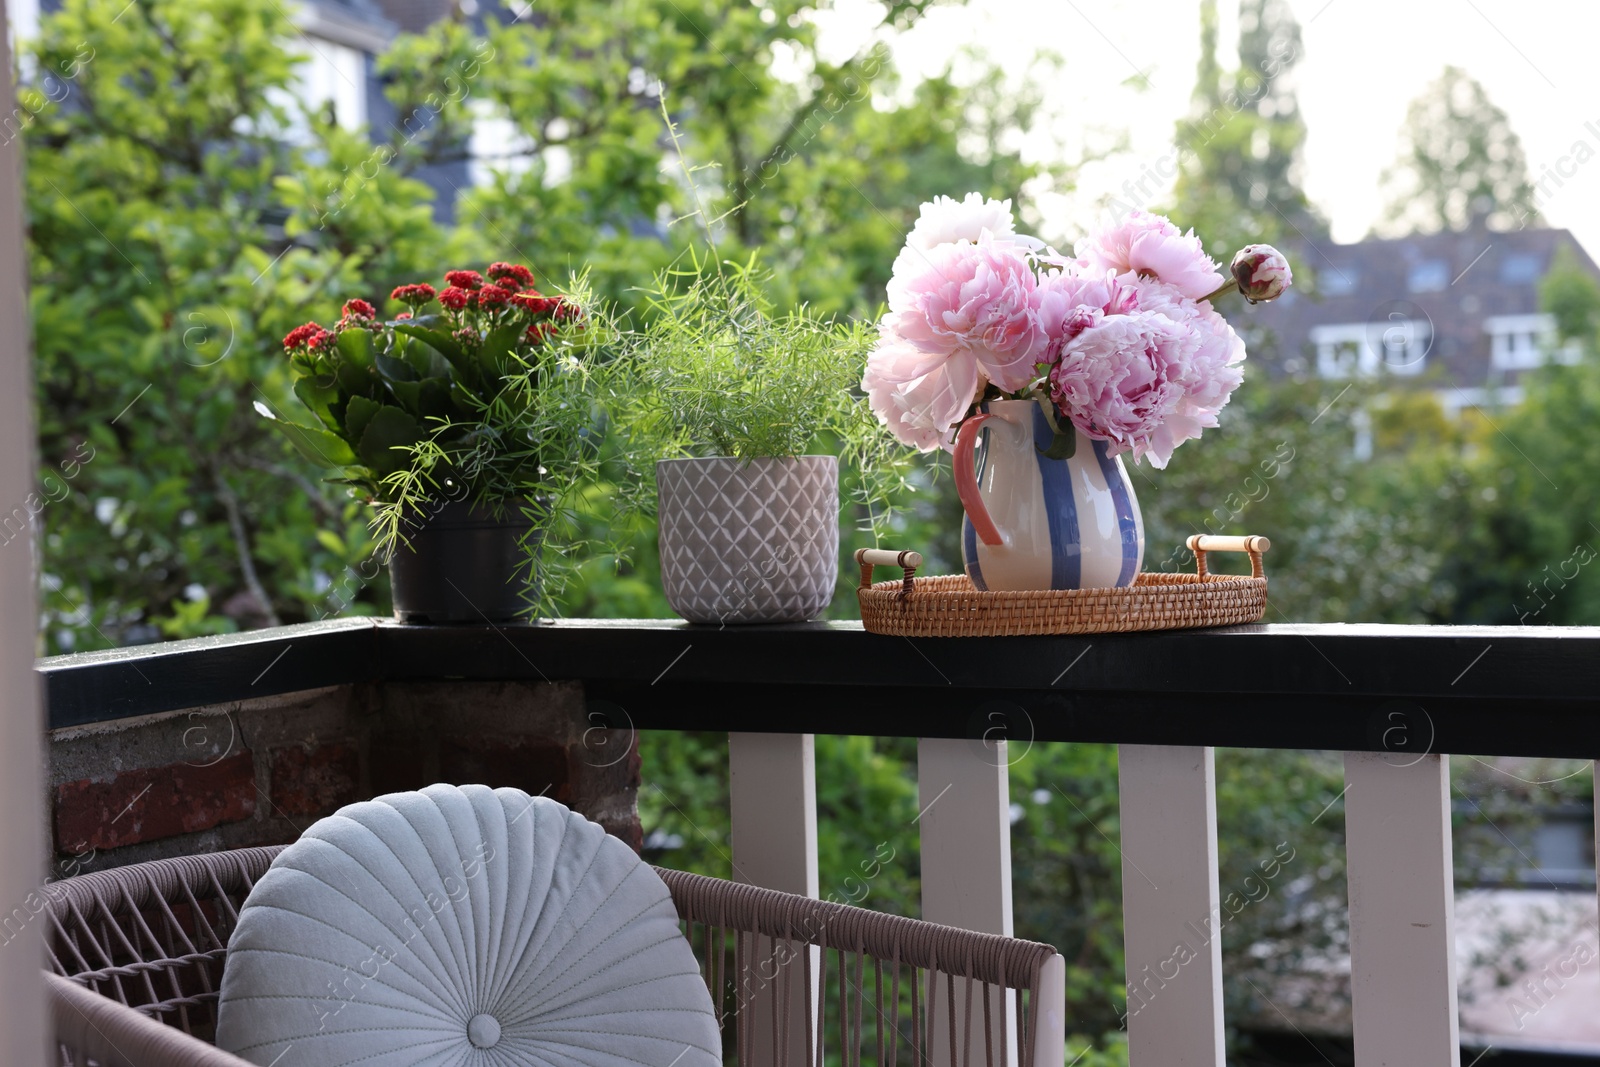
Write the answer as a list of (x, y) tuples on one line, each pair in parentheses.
[(965, 826), (1171, 912), (1402, 909), (772, 787)]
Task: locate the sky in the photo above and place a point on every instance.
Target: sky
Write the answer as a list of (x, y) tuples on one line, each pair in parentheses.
[(1130, 64)]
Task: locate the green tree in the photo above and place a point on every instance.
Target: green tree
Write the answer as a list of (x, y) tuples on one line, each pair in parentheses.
[(1460, 164), (185, 215), (822, 172), (161, 282), (1242, 145), (1527, 520)]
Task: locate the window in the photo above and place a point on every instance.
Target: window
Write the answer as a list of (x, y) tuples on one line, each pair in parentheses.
[(1338, 281), (1519, 269), (1428, 276), (1366, 349), (498, 146), (1342, 351), (334, 74), (1520, 342)]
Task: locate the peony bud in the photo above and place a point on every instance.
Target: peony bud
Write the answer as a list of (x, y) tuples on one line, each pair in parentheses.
[(1262, 273)]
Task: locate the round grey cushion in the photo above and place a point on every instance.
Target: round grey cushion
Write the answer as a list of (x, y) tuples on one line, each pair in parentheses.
[(463, 926)]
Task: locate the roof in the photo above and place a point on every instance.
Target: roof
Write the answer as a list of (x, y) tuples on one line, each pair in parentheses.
[(415, 16), (1452, 282)]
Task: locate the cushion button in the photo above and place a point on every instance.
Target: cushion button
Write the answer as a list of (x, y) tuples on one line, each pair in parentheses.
[(483, 1031)]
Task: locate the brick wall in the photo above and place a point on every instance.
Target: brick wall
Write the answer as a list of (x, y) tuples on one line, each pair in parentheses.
[(259, 772)]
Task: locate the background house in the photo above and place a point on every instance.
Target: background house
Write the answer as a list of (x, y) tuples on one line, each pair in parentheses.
[(1455, 312)]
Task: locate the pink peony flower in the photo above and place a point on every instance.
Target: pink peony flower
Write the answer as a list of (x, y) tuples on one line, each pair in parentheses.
[(920, 411), (1151, 246), (944, 220), (972, 306), (1177, 368), (1077, 288), (1213, 365), (1120, 380), (1262, 273)]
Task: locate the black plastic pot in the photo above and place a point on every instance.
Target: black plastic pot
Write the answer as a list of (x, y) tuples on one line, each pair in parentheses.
[(463, 565)]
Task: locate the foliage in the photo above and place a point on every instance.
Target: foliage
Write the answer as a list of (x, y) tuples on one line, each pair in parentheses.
[(181, 225), (823, 172), (161, 282), (734, 378), (378, 389), (1243, 143), (1460, 164), (493, 402)]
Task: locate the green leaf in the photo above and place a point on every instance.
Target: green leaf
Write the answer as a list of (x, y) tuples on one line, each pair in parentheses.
[(316, 444), (408, 393), (355, 345), (388, 433), (353, 379), (319, 399), (494, 354), (395, 370), (1062, 446), (331, 541), (433, 399), (357, 416), (438, 339), (1063, 443)]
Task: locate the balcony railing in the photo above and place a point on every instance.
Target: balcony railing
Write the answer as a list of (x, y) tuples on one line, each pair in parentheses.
[(1392, 698)]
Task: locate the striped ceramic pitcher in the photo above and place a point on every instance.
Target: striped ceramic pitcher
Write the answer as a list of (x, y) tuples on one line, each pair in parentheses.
[(1034, 522)]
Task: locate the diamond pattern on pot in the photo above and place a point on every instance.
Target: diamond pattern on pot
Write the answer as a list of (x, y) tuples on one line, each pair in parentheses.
[(749, 542)]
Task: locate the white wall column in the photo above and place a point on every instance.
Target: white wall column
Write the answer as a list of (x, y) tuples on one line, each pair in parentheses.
[(1171, 912), (1402, 909), (772, 787), (22, 1027)]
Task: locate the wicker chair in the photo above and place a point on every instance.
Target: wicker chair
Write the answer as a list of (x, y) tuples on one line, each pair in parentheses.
[(137, 955)]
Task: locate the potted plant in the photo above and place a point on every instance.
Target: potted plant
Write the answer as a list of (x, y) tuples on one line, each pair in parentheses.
[(467, 429), (734, 396), (1040, 371)]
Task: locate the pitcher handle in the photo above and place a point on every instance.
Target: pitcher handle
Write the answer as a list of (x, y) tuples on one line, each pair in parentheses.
[(967, 481)]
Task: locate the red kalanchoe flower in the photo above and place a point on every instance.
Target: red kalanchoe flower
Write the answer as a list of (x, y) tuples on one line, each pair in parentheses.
[(321, 341), (504, 273), (533, 302), (566, 311), (415, 295), (455, 298), (300, 336), (359, 310), (492, 296), (402, 315), (464, 279), (538, 332)]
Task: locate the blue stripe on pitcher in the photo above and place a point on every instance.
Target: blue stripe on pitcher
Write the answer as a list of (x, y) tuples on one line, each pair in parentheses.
[(969, 537), (1055, 482), (1126, 527)]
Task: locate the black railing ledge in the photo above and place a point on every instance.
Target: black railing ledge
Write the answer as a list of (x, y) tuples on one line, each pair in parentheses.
[(1468, 689)]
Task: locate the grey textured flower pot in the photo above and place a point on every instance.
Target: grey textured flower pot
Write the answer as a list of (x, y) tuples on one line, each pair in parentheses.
[(749, 542)]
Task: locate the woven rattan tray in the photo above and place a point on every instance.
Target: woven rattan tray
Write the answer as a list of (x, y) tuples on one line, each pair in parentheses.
[(949, 606)]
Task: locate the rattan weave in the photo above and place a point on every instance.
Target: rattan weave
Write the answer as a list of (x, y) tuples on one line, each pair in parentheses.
[(949, 605), (136, 947)]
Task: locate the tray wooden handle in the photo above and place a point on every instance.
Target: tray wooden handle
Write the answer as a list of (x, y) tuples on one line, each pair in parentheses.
[(1200, 544), (867, 558)]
